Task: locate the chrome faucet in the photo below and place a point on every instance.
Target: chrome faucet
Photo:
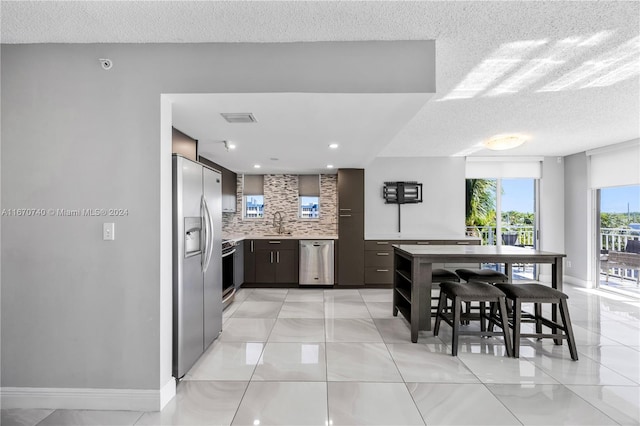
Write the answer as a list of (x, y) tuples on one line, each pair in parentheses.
[(278, 222)]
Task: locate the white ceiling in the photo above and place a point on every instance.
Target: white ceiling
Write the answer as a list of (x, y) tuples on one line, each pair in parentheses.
[(564, 73), (293, 130)]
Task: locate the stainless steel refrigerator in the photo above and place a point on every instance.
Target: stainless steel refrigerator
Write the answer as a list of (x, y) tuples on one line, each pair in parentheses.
[(197, 261)]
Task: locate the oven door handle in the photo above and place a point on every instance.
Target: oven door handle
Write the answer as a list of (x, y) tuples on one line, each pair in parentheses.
[(229, 296), (229, 253)]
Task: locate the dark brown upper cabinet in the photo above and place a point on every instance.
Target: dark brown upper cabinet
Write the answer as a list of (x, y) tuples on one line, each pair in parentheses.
[(184, 145), (351, 190)]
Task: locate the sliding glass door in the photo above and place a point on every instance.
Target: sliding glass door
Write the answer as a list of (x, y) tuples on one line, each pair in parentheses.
[(619, 235), (503, 212)]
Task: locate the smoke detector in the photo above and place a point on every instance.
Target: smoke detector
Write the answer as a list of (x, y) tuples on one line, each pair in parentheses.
[(239, 117)]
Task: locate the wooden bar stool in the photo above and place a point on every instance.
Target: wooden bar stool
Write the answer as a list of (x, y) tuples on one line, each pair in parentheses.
[(485, 275), (472, 292), (538, 294), (439, 276)]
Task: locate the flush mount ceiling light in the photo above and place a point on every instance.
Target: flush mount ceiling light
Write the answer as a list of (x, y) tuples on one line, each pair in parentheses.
[(238, 117), (502, 142)]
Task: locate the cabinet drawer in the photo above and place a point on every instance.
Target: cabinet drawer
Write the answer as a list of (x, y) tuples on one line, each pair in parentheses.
[(448, 242), (379, 258), (377, 275), (276, 244), (380, 244)]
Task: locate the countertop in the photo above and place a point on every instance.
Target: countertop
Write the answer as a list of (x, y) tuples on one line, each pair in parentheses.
[(278, 237), (400, 237), (478, 253), (391, 237)]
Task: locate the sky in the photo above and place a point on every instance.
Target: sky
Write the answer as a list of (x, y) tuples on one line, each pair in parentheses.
[(517, 195), (614, 200)]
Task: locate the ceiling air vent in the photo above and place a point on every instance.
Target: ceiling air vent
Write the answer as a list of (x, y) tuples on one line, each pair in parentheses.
[(239, 117)]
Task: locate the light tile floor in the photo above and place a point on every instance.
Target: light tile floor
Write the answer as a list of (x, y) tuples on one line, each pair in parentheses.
[(338, 357)]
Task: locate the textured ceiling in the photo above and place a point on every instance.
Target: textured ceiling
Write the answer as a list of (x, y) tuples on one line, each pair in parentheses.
[(564, 73)]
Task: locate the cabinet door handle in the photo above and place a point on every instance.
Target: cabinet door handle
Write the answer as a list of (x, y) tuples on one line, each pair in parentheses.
[(277, 257), (382, 270), (423, 243), (382, 243), (271, 256), (462, 243), (274, 242), (251, 246), (345, 215), (382, 254), (345, 210)]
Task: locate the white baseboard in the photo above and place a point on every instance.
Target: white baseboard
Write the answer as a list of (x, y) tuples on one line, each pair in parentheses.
[(88, 399), (568, 279), (544, 278)]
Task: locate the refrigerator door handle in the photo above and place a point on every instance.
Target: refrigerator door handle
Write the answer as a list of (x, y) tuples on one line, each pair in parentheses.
[(208, 237), (205, 234), (211, 231)]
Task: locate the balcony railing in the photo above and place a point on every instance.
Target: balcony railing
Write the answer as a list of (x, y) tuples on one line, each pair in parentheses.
[(521, 235), (610, 239), (615, 239)]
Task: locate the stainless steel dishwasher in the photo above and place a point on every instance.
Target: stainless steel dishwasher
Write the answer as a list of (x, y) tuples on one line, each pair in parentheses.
[(316, 262)]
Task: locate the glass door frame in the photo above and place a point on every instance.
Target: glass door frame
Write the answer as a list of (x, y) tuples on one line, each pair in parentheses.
[(536, 216)]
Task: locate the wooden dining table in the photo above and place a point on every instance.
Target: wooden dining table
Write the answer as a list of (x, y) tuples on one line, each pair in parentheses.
[(413, 265)]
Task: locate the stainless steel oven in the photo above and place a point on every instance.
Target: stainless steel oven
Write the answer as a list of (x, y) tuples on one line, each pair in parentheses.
[(228, 282)]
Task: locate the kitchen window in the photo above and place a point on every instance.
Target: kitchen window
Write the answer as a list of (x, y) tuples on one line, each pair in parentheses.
[(309, 196), (253, 196)]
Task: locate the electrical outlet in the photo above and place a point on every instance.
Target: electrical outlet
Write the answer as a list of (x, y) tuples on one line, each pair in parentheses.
[(108, 231), (568, 264)]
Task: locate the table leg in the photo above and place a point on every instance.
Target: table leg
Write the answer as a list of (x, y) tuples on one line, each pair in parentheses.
[(508, 270), (556, 282)]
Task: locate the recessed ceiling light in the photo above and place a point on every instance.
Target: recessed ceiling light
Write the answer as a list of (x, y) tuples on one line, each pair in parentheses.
[(329, 166), (256, 166), (333, 146), (502, 142), (229, 145)]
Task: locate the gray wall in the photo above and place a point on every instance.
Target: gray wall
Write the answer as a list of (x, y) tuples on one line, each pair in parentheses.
[(81, 312), (551, 210), (577, 219), (441, 213)]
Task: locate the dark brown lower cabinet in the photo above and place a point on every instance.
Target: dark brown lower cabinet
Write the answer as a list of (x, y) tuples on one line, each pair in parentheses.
[(249, 261), (351, 249), (286, 266), (272, 261), (378, 262), (276, 266)]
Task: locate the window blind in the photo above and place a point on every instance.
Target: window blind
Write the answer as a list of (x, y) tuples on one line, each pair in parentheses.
[(309, 185), (503, 167), (253, 185), (615, 165)]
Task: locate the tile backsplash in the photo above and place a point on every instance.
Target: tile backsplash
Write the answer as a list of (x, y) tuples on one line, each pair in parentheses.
[(281, 194)]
